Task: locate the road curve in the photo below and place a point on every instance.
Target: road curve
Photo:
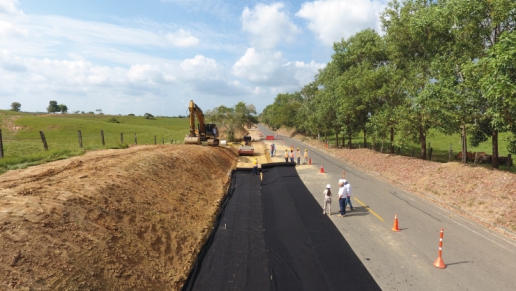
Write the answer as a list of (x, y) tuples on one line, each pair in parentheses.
[(476, 257)]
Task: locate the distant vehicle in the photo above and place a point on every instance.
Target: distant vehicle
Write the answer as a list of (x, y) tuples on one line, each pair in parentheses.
[(203, 132)]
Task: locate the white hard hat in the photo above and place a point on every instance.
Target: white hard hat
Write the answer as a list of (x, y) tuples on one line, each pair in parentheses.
[(328, 186)]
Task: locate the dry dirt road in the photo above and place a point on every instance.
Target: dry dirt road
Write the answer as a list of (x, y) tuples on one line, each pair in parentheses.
[(130, 219)]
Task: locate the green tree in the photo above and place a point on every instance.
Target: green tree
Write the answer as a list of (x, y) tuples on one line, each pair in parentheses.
[(53, 107), (233, 119), (414, 33), (498, 83), (63, 108), (15, 106), (327, 102), (361, 59), (307, 121)]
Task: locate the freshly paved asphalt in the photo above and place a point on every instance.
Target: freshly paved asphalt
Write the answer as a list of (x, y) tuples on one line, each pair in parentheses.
[(477, 257)]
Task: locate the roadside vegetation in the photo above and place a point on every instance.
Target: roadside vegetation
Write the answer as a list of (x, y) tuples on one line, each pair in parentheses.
[(233, 120), (23, 145), (443, 71)]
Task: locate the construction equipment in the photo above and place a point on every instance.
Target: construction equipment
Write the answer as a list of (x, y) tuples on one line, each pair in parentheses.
[(203, 132), (246, 149)]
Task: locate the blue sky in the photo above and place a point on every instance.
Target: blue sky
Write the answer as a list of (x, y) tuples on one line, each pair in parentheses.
[(154, 56)]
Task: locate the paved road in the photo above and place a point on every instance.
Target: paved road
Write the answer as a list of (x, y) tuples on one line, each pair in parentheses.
[(477, 258)]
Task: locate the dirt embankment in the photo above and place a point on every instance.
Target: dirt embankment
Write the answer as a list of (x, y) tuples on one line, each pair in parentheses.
[(484, 194), (129, 219)]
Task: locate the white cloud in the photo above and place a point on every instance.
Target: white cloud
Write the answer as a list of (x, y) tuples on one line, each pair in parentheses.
[(80, 83), (305, 72), (126, 42), (7, 29), (268, 68), (268, 25), (258, 67), (182, 38), (9, 7), (332, 20), (138, 65)]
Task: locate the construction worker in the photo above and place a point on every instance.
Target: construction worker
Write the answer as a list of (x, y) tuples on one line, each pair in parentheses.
[(255, 166), (292, 156), (305, 157), (327, 200), (286, 155), (298, 156)]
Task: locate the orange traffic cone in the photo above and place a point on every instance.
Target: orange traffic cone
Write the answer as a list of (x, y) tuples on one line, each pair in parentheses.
[(439, 263), (322, 170), (395, 226), (309, 161)]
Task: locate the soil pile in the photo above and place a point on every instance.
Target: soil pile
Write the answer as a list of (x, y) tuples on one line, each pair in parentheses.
[(130, 219)]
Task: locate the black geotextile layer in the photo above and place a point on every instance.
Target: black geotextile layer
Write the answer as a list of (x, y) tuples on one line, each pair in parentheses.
[(305, 249), (234, 256), (294, 246)]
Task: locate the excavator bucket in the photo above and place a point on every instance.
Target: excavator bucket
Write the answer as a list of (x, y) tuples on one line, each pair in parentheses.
[(193, 140), (213, 142)]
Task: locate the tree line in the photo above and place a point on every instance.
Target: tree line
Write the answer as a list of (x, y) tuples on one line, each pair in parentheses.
[(446, 65), (233, 119)]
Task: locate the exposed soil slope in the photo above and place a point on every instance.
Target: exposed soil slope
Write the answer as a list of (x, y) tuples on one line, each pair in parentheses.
[(129, 219)]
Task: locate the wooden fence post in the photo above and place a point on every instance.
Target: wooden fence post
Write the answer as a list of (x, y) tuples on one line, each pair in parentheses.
[(80, 138), (163, 140), (450, 153), (1, 145), (121, 138), (509, 161), (102, 137), (135, 139), (43, 139), (155, 140), (430, 154), (412, 152)]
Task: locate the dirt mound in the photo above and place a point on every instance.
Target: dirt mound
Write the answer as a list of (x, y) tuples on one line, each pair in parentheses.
[(287, 131), (129, 219)]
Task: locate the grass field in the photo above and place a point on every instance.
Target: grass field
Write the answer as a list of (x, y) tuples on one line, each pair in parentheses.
[(23, 145)]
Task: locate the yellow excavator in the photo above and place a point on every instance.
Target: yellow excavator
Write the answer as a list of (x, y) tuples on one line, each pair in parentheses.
[(203, 132)]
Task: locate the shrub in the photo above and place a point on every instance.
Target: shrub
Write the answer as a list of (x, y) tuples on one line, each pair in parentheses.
[(113, 120)]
